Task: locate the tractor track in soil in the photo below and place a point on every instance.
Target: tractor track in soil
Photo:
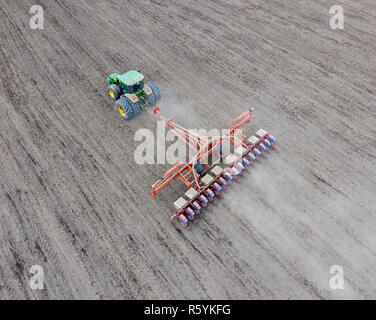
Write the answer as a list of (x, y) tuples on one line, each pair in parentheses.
[(73, 200)]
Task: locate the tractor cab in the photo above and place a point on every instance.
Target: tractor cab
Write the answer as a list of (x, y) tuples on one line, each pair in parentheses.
[(131, 82)]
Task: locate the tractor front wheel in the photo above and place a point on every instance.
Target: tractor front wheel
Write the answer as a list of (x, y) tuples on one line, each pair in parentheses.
[(124, 108), (114, 91)]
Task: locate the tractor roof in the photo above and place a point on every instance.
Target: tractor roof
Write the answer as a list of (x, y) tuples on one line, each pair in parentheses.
[(131, 77)]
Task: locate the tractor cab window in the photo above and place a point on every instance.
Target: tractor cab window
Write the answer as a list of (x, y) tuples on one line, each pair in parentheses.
[(136, 87)]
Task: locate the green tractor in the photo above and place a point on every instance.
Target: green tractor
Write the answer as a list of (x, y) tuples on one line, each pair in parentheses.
[(131, 94)]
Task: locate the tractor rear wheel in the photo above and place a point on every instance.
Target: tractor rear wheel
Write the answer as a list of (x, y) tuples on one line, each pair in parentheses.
[(124, 107), (114, 91), (155, 97)]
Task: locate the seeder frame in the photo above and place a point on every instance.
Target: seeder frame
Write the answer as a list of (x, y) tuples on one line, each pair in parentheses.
[(205, 146)]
